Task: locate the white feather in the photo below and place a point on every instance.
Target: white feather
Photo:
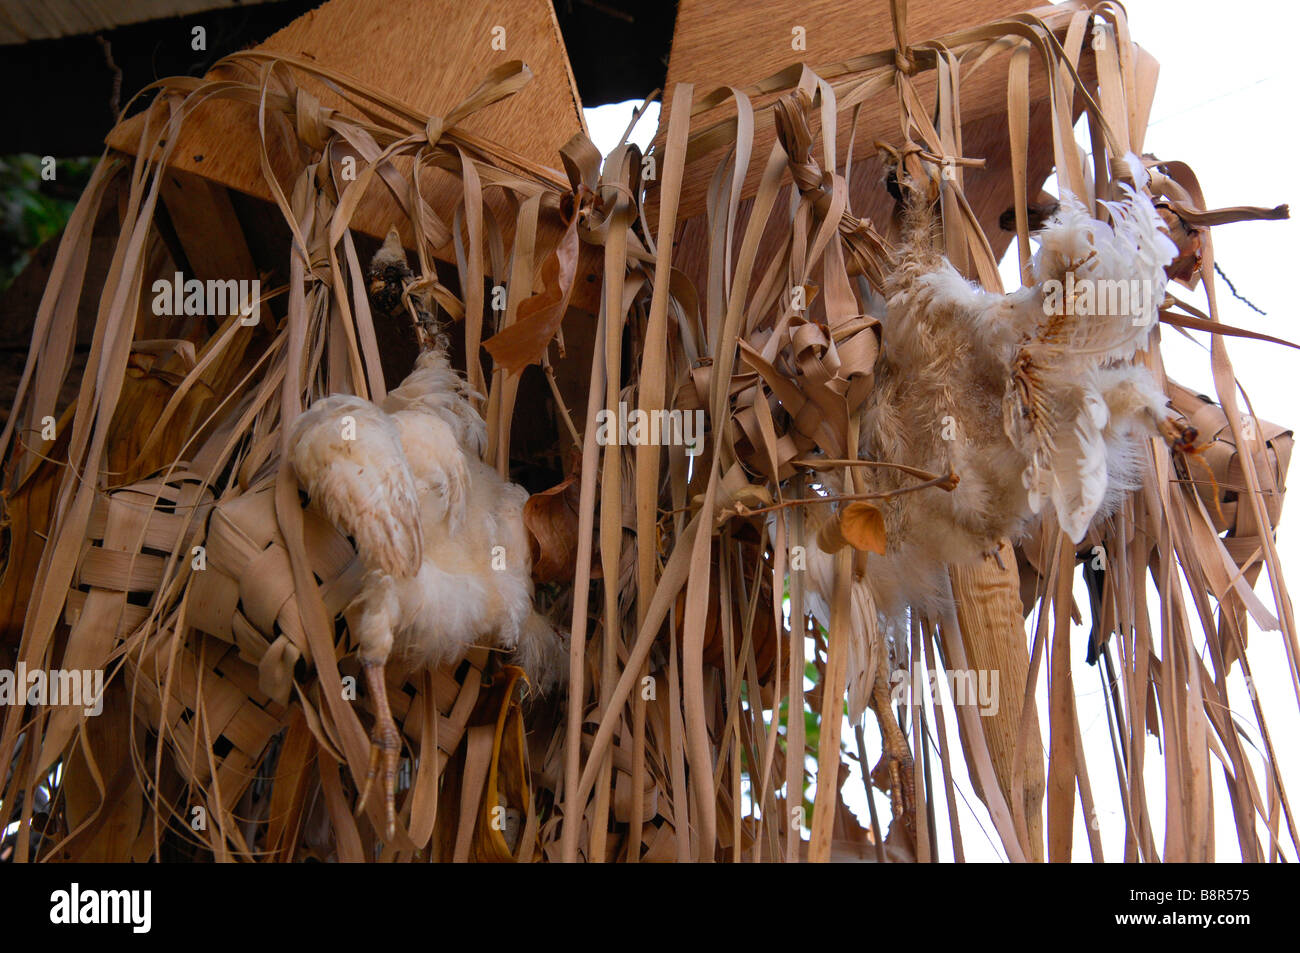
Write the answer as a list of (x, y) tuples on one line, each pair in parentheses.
[(348, 455), (1038, 411), (440, 532)]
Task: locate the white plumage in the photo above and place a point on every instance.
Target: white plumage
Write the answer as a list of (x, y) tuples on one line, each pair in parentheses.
[(440, 533), (1032, 399), (1081, 407)]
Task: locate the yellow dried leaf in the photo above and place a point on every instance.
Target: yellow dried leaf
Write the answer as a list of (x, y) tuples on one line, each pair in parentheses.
[(863, 527)]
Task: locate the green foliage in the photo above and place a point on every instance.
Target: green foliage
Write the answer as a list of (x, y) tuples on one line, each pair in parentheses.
[(33, 208)]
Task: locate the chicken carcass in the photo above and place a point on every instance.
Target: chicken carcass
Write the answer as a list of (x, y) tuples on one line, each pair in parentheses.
[(440, 533), (1035, 400)]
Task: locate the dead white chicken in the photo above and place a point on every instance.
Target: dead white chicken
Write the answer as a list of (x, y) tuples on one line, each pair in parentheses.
[(440, 533), (1032, 399)]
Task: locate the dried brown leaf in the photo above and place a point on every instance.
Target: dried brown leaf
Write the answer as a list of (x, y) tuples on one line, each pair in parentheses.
[(551, 518), (539, 317)]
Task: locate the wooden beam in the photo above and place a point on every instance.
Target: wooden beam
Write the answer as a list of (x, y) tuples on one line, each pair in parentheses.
[(205, 223)]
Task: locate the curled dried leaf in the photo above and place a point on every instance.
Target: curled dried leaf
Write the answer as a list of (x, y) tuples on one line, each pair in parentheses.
[(551, 518), (864, 527), (859, 525), (745, 501), (539, 317)]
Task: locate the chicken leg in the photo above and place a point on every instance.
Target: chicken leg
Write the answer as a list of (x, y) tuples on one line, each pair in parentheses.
[(894, 770), (439, 533), (375, 633), (385, 744)]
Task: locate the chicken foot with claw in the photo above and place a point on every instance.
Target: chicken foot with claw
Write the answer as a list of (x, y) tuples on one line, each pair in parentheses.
[(385, 744), (894, 770)]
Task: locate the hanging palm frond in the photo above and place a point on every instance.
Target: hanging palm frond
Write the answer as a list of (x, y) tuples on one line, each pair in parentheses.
[(731, 590)]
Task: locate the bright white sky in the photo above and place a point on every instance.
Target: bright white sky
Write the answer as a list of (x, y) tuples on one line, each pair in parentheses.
[(1224, 105)]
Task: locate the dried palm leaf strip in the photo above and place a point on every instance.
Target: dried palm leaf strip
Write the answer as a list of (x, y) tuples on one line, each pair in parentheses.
[(992, 632)]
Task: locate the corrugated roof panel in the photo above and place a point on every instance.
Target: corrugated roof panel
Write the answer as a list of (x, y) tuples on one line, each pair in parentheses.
[(24, 20)]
